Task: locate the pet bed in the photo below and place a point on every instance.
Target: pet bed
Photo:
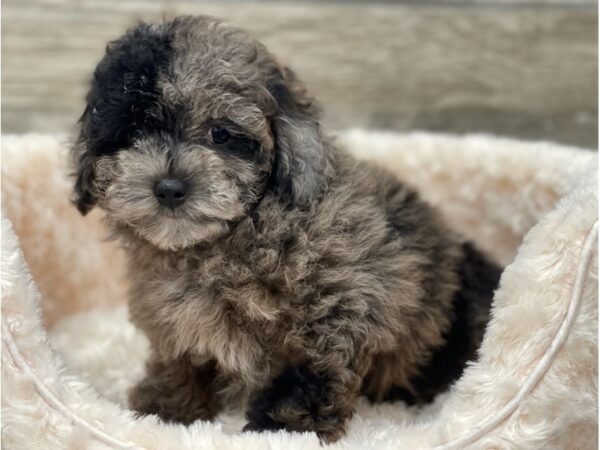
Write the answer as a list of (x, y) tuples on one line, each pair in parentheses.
[(69, 354)]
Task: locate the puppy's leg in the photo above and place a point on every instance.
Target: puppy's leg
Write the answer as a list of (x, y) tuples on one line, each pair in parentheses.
[(176, 390), (317, 396)]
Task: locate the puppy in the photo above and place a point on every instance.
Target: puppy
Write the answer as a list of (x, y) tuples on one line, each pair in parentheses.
[(268, 268)]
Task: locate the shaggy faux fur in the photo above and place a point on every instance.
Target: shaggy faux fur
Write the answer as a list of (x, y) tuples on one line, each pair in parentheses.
[(531, 206), (266, 263)]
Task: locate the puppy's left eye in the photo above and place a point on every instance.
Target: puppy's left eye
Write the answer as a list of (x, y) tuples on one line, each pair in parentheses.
[(219, 135)]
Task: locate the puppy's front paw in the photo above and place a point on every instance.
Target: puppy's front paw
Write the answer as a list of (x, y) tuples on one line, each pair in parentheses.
[(179, 404), (296, 401)]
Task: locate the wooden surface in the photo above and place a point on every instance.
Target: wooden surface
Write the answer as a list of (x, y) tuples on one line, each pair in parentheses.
[(520, 70)]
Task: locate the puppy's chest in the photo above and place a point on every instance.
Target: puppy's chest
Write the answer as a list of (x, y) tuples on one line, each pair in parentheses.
[(213, 304)]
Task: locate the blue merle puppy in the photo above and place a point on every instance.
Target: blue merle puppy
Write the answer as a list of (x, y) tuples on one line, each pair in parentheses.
[(268, 268)]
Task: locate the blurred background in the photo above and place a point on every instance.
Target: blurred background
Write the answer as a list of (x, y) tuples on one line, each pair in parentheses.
[(520, 68)]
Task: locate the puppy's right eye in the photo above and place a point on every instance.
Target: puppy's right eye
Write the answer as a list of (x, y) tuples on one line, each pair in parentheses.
[(219, 135)]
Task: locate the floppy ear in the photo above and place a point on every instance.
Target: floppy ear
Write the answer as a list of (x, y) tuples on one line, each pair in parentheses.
[(83, 164), (300, 160)]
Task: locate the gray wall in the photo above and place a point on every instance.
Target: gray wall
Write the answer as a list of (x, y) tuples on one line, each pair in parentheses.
[(518, 68)]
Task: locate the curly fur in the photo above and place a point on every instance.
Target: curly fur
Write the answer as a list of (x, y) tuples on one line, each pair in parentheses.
[(294, 278)]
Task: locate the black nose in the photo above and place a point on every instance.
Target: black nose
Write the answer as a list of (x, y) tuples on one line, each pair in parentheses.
[(170, 192)]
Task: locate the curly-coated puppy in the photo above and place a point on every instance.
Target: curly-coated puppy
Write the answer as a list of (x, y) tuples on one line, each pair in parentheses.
[(266, 265)]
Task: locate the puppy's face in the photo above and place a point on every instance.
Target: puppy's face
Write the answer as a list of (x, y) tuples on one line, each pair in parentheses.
[(188, 124)]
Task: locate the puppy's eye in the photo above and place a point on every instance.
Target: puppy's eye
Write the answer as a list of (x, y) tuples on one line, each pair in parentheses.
[(219, 135)]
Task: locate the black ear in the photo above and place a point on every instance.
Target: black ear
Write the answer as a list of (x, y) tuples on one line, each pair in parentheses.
[(300, 160), (83, 163)]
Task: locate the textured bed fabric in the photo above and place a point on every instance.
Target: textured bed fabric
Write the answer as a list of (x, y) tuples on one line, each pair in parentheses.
[(69, 354)]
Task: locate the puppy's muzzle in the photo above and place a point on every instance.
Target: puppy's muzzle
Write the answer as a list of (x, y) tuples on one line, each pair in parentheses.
[(171, 192)]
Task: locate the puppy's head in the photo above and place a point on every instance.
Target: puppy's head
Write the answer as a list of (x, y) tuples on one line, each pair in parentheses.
[(188, 124)]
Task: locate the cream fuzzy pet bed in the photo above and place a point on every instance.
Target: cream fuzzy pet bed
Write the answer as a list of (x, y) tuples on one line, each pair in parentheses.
[(69, 354)]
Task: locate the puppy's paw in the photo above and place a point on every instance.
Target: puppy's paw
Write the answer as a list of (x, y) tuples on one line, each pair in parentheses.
[(171, 405), (297, 400)]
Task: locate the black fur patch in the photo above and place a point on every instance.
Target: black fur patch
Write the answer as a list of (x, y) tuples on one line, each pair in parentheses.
[(297, 387), (279, 184), (242, 147), (123, 98), (279, 181), (479, 279)]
